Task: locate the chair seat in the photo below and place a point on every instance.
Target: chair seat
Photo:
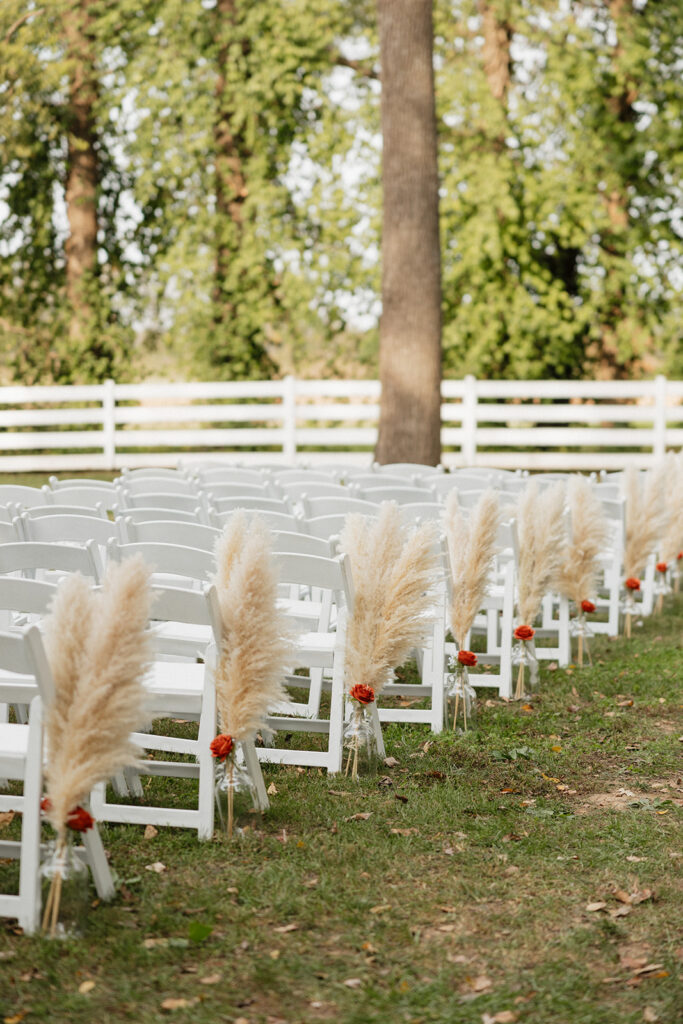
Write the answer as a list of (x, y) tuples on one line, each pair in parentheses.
[(183, 638), (16, 688), (13, 750), (314, 650), (175, 686)]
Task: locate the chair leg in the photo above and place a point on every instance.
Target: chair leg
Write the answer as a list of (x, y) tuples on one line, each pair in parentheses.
[(377, 730), (4, 717), (29, 876), (206, 733), (261, 801), (97, 862), (132, 777)]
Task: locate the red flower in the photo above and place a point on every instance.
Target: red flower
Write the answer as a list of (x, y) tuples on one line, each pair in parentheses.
[(221, 746), (632, 583), (679, 555), (467, 658), (362, 693), (661, 567), (46, 804), (587, 606), (79, 820), (524, 633)]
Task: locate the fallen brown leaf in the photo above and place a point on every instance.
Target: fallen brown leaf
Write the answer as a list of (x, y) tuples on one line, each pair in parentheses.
[(361, 816), (380, 908), (404, 832), (391, 762), (272, 789), (85, 987), (620, 911), (650, 1015), (157, 867), (593, 907), (283, 929), (177, 1004), (150, 832), (5, 818), (353, 983), (502, 1017), (210, 979)]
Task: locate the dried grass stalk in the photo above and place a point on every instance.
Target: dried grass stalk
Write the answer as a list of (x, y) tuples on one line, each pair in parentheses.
[(98, 647), (672, 538), (588, 536), (471, 550), (645, 516), (256, 643), (394, 570), (541, 535)]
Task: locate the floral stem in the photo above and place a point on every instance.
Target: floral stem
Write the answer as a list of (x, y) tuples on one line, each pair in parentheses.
[(580, 650), (519, 692), (231, 798), (354, 771), (628, 625), (455, 713)]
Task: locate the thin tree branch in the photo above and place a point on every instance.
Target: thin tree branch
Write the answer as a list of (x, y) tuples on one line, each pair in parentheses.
[(20, 21)]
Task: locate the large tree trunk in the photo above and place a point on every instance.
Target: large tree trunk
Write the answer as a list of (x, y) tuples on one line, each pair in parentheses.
[(82, 172), (410, 326)]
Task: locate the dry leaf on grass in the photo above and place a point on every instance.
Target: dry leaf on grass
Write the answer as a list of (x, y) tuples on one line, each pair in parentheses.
[(272, 789), (361, 816), (404, 832), (178, 1004), (210, 979), (5, 818), (479, 984), (157, 867), (85, 987), (150, 832), (380, 908), (594, 907), (283, 929), (353, 983), (503, 1017)]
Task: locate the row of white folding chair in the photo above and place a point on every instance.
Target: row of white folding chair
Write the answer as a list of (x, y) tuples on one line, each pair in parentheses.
[(24, 668)]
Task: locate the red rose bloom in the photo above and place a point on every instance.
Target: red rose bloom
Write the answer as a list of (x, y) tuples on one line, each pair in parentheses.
[(679, 555), (587, 606), (632, 583), (46, 804), (661, 567), (79, 820), (524, 633), (362, 693), (467, 658), (221, 746)]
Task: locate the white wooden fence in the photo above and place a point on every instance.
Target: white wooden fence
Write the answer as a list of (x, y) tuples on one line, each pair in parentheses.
[(551, 424)]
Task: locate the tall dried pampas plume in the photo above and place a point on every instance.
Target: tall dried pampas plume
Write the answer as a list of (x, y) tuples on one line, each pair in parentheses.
[(541, 537), (645, 516), (471, 550), (588, 536), (257, 642), (672, 539), (394, 569), (98, 648)]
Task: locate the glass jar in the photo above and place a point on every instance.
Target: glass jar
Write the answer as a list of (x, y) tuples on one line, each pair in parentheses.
[(460, 708), (230, 778), (65, 890), (360, 743)]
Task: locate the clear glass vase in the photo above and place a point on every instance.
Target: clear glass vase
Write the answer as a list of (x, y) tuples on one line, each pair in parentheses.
[(360, 743), (230, 778), (579, 628), (460, 708), (523, 657), (65, 890)]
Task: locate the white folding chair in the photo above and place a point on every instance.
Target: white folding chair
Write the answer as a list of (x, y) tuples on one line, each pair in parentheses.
[(315, 650), (86, 496), (217, 492), (177, 689), (67, 529), (18, 494), (314, 507), (188, 502), (209, 476), (145, 515), (9, 532), (54, 560), (401, 495), (21, 759), (258, 504), (275, 520), (139, 486), (168, 531)]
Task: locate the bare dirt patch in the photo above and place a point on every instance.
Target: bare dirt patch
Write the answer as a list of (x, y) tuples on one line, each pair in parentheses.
[(621, 798)]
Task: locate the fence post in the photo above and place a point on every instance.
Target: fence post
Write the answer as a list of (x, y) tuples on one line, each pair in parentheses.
[(659, 419), (468, 447), (109, 423), (289, 417)]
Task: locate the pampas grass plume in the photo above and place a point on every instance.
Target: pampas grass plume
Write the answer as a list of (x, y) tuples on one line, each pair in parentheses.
[(580, 567), (672, 539), (256, 643), (394, 569), (471, 550), (645, 516), (98, 647), (541, 536)]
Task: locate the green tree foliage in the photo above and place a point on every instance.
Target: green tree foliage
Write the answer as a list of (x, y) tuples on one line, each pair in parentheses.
[(238, 199)]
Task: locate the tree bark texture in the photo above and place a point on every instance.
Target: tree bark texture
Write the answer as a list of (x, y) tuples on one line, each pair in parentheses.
[(82, 172), (410, 326), (231, 186)]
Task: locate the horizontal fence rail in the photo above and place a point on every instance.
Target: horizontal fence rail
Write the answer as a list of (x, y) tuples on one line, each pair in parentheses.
[(550, 425)]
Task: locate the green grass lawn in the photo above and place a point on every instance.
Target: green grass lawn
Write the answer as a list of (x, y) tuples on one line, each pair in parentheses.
[(460, 895)]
